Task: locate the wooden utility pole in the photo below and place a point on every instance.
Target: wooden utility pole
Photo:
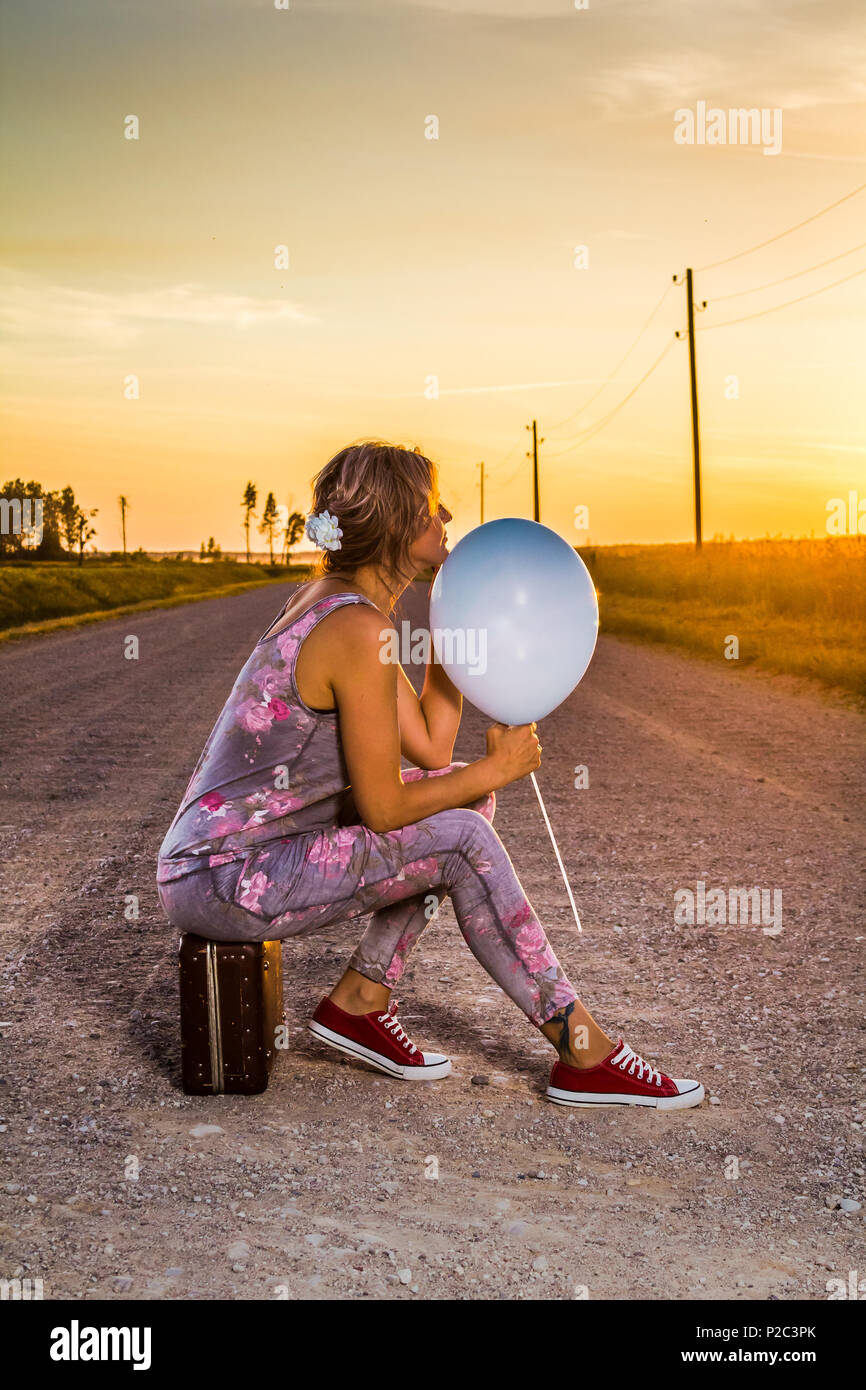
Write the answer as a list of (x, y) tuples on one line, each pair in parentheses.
[(690, 295), (696, 434), (123, 504), (481, 466), (536, 510)]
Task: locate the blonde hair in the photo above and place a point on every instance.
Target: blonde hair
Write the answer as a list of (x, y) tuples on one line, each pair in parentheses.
[(381, 495)]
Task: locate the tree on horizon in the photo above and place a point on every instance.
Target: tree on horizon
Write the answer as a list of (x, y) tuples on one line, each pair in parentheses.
[(249, 502), (23, 544), (294, 529), (68, 517), (84, 532), (270, 517)]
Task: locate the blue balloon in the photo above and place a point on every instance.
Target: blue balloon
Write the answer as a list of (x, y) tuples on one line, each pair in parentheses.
[(514, 619)]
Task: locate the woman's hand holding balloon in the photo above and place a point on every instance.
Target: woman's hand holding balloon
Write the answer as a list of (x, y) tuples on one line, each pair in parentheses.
[(514, 751)]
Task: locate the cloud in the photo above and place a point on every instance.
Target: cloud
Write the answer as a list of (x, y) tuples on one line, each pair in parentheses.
[(33, 307), (735, 54), (486, 390)]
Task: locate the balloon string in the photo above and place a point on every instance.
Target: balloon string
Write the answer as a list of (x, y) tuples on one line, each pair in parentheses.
[(556, 851)]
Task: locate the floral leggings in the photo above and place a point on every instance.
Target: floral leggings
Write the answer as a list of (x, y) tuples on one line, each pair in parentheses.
[(296, 885)]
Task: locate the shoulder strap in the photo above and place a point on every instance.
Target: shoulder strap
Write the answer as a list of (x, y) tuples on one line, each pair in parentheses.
[(319, 609)]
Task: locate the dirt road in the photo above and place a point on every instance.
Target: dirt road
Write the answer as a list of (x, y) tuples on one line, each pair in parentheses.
[(116, 1185)]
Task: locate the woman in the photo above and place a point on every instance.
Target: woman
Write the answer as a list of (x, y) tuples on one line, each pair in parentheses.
[(298, 815)]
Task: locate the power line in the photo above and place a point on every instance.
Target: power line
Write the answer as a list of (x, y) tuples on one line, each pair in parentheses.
[(583, 436), (504, 460), (490, 473), (593, 430), (787, 232), (510, 479), (616, 369), (705, 328), (737, 294)]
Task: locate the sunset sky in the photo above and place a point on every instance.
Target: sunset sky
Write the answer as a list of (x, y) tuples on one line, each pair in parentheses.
[(413, 258)]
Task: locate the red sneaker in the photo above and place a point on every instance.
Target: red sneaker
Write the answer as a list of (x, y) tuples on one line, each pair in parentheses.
[(379, 1040), (623, 1078)]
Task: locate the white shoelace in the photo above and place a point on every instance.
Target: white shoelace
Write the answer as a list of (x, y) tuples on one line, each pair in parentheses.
[(394, 1027), (627, 1058)]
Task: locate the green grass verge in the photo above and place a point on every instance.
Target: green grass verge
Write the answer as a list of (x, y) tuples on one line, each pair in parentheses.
[(42, 598)]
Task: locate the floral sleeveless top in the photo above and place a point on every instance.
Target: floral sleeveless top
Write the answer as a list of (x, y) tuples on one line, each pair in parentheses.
[(272, 767)]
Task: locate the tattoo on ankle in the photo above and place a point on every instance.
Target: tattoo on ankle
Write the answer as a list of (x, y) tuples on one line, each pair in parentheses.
[(563, 1046)]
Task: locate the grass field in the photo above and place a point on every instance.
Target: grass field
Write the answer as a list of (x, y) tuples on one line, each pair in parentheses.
[(795, 606), (34, 596)]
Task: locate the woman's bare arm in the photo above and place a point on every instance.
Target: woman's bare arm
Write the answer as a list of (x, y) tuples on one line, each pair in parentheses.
[(365, 689), (429, 723)]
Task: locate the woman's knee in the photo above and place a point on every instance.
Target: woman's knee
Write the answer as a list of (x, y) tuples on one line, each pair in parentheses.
[(468, 826)]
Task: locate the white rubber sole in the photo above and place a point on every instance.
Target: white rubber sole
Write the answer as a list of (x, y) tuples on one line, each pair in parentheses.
[(589, 1100), (430, 1071)]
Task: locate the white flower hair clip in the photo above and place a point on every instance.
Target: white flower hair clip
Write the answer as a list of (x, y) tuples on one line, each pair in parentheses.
[(323, 530)]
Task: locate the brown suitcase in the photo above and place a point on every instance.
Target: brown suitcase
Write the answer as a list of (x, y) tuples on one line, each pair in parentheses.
[(231, 1005)]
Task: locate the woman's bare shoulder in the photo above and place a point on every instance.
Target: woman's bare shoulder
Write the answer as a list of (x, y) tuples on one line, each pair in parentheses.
[(348, 640), (354, 622)]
